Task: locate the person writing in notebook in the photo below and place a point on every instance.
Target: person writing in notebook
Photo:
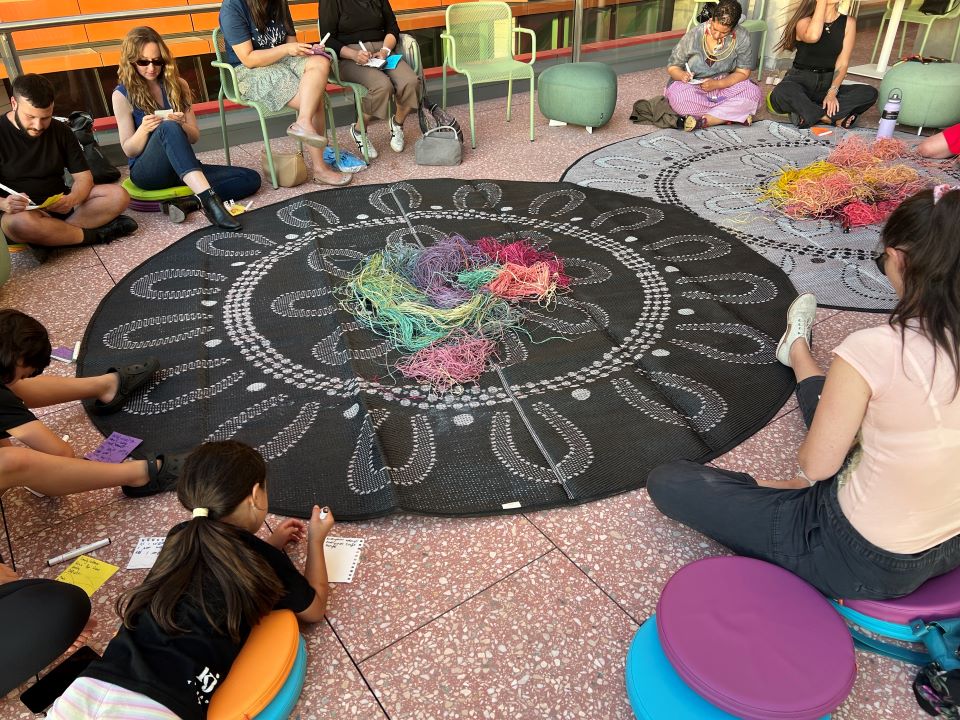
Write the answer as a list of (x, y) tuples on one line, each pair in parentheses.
[(361, 31), (34, 150)]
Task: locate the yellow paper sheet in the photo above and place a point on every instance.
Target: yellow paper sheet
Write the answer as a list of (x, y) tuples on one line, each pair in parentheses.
[(88, 573), (46, 203)]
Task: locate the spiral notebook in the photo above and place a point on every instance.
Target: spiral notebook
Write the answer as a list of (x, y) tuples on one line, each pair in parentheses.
[(342, 555)]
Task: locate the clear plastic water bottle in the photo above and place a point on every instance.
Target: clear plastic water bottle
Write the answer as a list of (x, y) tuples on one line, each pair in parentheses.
[(888, 118)]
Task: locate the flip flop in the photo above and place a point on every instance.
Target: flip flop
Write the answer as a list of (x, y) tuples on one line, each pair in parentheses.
[(162, 478), (132, 377), (307, 137), (849, 121)]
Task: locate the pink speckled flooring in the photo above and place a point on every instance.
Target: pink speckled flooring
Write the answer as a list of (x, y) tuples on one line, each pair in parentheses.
[(527, 616)]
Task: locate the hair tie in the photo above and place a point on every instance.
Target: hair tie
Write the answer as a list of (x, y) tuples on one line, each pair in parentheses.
[(940, 190), (200, 512)]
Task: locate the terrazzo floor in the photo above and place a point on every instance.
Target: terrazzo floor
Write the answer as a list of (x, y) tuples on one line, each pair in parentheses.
[(526, 616)]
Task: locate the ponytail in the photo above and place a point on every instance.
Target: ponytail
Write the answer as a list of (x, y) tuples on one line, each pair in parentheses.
[(216, 477)]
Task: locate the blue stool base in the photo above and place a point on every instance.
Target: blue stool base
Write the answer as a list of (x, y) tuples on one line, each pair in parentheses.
[(282, 705), (655, 690)]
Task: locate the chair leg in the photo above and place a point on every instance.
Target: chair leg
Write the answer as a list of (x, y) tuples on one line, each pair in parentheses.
[(443, 99), (903, 37), (268, 152), (509, 95), (876, 43), (923, 44), (363, 131), (223, 128), (331, 129), (956, 39), (473, 131), (531, 104)]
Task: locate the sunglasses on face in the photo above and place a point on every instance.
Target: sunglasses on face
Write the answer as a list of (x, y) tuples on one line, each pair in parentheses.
[(155, 63), (880, 258)]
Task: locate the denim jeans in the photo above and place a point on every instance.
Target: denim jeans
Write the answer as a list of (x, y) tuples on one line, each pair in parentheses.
[(804, 531), (802, 92), (169, 156)]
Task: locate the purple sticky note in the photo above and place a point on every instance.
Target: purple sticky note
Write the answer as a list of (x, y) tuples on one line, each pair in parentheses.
[(63, 354), (114, 449)]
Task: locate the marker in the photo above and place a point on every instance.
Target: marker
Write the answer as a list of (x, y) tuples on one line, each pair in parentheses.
[(323, 40), (362, 47), (687, 66), (11, 191), (76, 350), (78, 552)]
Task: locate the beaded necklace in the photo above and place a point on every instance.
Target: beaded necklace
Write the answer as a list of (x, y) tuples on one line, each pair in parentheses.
[(720, 52)]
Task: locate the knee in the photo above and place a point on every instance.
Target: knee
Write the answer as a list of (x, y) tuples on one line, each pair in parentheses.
[(18, 226), (667, 484), (319, 64), (15, 466), (116, 196), (168, 131)]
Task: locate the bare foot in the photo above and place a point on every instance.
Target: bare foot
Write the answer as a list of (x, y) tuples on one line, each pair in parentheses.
[(113, 385)]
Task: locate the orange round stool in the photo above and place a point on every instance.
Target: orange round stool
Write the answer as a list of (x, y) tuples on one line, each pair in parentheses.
[(266, 678)]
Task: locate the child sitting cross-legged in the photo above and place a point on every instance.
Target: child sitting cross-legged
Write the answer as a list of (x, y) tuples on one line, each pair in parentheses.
[(212, 582), (47, 463)]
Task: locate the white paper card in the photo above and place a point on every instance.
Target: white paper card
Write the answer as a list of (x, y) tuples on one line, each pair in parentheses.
[(697, 81), (342, 555), (145, 554), (375, 62)]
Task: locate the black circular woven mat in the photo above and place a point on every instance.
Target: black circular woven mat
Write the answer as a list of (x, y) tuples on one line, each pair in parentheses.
[(663, 349)]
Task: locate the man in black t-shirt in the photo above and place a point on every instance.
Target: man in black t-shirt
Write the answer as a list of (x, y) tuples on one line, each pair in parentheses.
[(34, 150)]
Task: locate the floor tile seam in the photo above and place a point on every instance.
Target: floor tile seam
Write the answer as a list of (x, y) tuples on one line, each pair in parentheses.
[(357, 667), (464, 601), (586, 574)]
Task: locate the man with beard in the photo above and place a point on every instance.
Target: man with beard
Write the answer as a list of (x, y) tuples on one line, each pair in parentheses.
[(34, 150)]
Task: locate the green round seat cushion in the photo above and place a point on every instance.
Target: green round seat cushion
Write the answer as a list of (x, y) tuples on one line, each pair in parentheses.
[(578, 93), (931, 93), (155, 195)]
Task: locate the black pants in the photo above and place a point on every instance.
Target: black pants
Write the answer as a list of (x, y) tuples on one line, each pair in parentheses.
[(804, 531), (39, 619), (802, 92)]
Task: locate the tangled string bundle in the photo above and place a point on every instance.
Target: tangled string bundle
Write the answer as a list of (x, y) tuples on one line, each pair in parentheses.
[(447, 306), (856, 185)]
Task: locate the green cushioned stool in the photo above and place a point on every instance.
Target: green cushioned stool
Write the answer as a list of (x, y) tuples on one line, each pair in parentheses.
[(578, 93), (151, 200), (931, 93)]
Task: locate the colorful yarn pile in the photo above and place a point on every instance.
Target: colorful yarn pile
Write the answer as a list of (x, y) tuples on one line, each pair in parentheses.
[(856, 185), (447, 306)]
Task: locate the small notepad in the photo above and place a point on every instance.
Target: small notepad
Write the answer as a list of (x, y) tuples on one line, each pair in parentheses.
[(87, 573), (145, 554), (114, 449), (342, 555)]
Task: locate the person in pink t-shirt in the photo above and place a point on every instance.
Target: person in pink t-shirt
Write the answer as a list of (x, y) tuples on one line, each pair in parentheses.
[(873, 509)]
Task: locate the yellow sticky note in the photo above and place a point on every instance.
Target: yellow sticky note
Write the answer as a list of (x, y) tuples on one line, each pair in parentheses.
[(50, 200), (88, 573)]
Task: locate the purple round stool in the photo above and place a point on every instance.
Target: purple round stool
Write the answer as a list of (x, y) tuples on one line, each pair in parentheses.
[(936, 599), (754, 640)]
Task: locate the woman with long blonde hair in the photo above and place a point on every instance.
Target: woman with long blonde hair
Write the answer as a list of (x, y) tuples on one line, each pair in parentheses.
[(158, 127)]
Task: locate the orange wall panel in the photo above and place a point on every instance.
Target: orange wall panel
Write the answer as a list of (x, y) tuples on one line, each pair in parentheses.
[(59, 61), (104, 32), (180, 47), (16, 10)]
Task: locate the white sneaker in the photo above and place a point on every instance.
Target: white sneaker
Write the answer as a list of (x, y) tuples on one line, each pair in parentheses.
[(358, 139), (800, 316), (397, 142)]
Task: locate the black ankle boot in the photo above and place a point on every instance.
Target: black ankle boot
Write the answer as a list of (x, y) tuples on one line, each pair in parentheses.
[(178, 210), (216, 213)]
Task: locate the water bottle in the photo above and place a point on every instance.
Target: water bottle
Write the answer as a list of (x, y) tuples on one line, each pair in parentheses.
[(888, 118)]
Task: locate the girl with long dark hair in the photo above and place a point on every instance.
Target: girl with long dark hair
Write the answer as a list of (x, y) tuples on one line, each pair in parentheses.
[(812, 91), (212, 582), (158, 128), (874, 508)]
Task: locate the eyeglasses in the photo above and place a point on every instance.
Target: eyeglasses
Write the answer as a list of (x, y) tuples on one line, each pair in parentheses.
[(155, 63)]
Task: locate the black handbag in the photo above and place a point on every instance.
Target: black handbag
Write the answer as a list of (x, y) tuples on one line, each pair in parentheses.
[(81, 124)]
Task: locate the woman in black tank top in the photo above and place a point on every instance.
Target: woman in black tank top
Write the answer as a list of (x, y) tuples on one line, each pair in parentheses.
[(811, 92)]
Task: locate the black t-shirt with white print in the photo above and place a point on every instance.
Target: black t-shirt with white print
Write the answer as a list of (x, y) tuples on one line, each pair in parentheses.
[(182, 671)]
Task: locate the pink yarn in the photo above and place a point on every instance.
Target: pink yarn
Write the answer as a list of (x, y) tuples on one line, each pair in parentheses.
[(518, 282), (522, 252), (457, 360)]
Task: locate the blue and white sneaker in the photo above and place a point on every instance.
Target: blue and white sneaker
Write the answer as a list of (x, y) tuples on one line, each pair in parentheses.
[(349, 163)]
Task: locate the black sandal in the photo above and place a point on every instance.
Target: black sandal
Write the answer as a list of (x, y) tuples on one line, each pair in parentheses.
[(162, 478), (132, 377)]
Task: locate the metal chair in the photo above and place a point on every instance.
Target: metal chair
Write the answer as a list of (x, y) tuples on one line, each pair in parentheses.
[(407, 45), (755, 24), (230, 91), (478, 43), (913, 15)]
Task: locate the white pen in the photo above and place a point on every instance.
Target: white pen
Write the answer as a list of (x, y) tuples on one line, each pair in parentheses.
[(687, 66), (362, 47), (323, 40), (78, 552), (11, 191), (323, 514), (76, 350)]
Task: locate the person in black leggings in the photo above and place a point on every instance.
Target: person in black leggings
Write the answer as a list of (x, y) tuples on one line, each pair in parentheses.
[(811, 92), (39, 620)]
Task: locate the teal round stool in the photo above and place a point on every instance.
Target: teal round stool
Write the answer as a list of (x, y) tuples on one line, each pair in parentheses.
[(931, 93), (578, 94), (151, 200)]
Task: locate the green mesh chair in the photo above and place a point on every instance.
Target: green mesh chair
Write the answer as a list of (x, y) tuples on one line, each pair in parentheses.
[(913, 15), (755, 24), (478, 43), (411, 53), (230, 91)]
